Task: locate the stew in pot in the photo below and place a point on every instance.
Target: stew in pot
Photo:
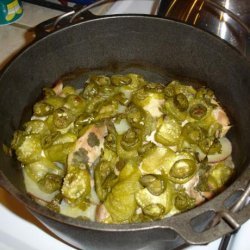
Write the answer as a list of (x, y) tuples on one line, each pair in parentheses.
[(125, 150)]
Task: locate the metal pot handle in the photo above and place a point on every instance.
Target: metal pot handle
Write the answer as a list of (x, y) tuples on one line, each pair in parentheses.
[(64, 20), (53, 24), (225, 221)]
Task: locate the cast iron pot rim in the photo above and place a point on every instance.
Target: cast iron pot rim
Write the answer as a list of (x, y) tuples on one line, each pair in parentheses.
[(164, 223)]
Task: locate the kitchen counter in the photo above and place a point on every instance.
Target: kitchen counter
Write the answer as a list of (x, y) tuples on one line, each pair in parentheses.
[(19, 230), (15, 36)]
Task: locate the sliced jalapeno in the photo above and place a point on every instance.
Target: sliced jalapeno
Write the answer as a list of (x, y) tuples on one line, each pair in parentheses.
[(154, 210), (181, 102), (183, 168), (131, 140), (62, 117), (100, 80), (192, 133), (119, 80), (183, 201), (153, 183), (169, 91), (198, 111), (42, 109)]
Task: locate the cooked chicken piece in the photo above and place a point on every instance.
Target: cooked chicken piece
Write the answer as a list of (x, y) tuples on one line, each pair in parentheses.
[(222, 118), (89, 146), (58, 88)]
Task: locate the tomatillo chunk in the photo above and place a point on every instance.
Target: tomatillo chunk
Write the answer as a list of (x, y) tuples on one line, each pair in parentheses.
[(210, 146), (181, 102), (119, 80), (156, 187), (90, 90), (76, 184), (154, 210), (198, 111), (36, 127), (48, 92), (154, 184), (216, 147), (145, 148), (140, 95), (50, 183), (68, 90), (168, 133), (135, 116), (169, 91), (147, 179), (62, 117), (219, 175), (183, 168), (192, 133), (29, 149), (75, 103), (55, 101), (83, 120), (110, 141), (42, 109), (100, 80), (59, 152), (130, 140), (183, 201), (205, 94), (39, 169), (154, 87), (48, 140)]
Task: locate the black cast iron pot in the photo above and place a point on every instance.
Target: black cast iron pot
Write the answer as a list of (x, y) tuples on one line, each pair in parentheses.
[(160, 49)]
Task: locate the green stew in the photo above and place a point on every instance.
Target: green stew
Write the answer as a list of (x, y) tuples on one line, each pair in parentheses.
[(123, 149)]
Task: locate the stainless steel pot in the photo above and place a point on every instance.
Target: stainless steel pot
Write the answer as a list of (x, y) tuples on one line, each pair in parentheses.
[(160, 49), (227, 19)]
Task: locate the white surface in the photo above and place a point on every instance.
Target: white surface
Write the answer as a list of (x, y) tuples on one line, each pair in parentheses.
[(132, 6), (18, 229), (33, 15)]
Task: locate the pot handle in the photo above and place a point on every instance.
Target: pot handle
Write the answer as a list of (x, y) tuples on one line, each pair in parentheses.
[(59, 22), (64, 20), (223, 222)]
